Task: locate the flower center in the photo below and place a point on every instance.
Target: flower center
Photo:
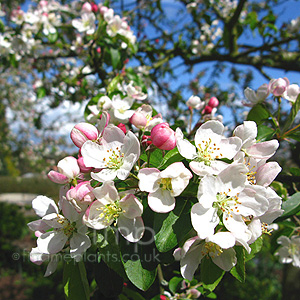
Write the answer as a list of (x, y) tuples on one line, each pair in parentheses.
[(68, 228), (166, 184), (212, 250), (226, 204), (207, 151), (115, 159), (111, 212)]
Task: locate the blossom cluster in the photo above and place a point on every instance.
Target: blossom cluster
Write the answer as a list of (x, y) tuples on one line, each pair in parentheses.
[(280, 87), (112, 181), (48, 19)]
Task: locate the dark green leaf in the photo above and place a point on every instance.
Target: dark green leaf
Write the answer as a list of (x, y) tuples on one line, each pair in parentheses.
[(238, 271), (52, 37), (115, 57), (171, 157), (175, 284), (290, 207), (292, 115), (132, 295), (255, 248), (155, 158), (41, 92), (138, 275), (258, 114), (172, 227), (264, 133), (76, 286), (109, 282), (109, 251), (210, 274)]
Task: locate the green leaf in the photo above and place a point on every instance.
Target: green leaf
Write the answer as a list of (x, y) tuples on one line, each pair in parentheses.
[(171, 228), (258, 114), (138, 275), (238, 271), (41, 92), (264, 133), (171, 157), (175, 284), (290, 207), (295, 171), (112, 87), (155, 158), (132, 294), (76, 286), (115, 57), (292, 115), (110, 252), (109, 282), (52, 37), (255, 248), (210, 274)]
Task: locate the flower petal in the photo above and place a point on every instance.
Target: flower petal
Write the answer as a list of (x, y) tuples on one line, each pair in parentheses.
[(131, 229)]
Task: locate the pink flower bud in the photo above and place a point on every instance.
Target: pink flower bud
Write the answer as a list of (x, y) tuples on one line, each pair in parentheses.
[(195, 102), (82, 166), (163, 137), (94, 7), (122, 127), (207, 110), (98, 50), (146, 140), (86, 7), (57, 177), (139, 120), (103, 10), (213, 102), (81, 195), (83, 132), (278, 86)]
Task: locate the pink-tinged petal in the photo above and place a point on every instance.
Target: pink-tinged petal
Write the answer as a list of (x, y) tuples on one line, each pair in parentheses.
[(69, 210), (79, 243), (43, 205), (52, 266), (236, 225), (161, 201), (127, 165), (107, 193), (263, 150), (207, 191), (227, 260), (54, 220), (94, 155), (224, 239), (247, 132), (192, 242), (83, 132), (185, 148), (58, 177), (255, 228), (52, 242), (232, 179), (204, 220), (266, 173), (105, 175), (131, 145), (38, 225), (69, 167), (131, 229), (113, 134), (292, 93), (94, 218), (37, 257), (230, 147), (215, 126), (253, 203), (149, 179), (131, 206), (190, 262)]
